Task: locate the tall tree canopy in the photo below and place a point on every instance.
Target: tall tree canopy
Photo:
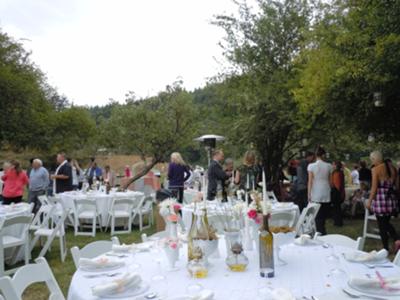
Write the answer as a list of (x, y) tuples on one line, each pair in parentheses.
[(262, 47)]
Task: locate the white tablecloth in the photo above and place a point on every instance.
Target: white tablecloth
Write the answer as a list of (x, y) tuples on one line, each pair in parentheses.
[(103, 200), (306, 274), (213, 209)]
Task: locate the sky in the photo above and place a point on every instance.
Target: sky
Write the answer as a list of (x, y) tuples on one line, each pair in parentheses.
[(95, 50)]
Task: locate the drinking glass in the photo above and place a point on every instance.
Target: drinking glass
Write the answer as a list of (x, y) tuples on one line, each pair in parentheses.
[(159, 284)]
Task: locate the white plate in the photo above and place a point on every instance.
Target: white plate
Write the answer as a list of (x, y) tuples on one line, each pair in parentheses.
[(130, 292), (181, 297), (103, 269), (375, 292), (369, 262), (308, 243)]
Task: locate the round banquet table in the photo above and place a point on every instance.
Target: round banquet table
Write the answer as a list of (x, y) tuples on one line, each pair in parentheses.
[(214, 209), (103, 200), (9, 211), (305, 275)]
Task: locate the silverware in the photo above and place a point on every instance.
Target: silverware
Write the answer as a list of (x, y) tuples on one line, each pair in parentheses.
[(116, 255), (361, 296), (102, 275), (372, 266)]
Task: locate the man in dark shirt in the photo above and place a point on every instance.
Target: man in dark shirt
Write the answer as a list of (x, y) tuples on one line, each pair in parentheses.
[(62, 178), (364, 174), (302, 180), (216, 175)]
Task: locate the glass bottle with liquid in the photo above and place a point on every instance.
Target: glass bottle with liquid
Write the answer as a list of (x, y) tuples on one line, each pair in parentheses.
[(267, 268)]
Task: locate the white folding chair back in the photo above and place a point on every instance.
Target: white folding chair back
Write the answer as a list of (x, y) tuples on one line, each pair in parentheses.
[(52, 227), (7, 290), (283, 218), (121, 208), (33, 273), (367, 234), (396, 259), (86, 209), (341, 240), (10, 241), (306, 222), (143, 209), (92, 250)]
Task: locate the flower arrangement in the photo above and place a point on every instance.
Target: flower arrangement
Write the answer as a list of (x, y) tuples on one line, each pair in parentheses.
[(258, 207), (169, 210), (170, 242)]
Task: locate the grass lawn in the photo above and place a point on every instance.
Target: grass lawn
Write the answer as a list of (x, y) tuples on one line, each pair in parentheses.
[(64, 271)]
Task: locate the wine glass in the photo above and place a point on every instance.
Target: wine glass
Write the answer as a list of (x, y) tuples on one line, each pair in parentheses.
[(333, 261), (193, 288)]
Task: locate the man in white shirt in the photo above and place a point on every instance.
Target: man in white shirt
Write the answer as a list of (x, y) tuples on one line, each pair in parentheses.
[(355, 176)]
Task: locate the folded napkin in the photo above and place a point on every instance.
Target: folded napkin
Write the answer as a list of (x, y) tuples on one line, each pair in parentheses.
[(99, 263), (368, 284), (204, 295), (282, 294), (123, 248), (128, 281), (366, 257), (303, 239)]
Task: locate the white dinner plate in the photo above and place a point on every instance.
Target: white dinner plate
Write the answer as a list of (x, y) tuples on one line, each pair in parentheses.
[(103, 269), (308, 243), (180, 297), (130, 292), (374, 292)]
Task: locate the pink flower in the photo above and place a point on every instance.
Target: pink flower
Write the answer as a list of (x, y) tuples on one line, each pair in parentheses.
[(172, 218), (252, 214), (258, 219), (173, 245), (177, 207)]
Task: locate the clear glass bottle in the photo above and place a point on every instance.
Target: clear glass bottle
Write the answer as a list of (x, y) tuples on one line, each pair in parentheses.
[(192, 235), (237, 261), (266, 241)]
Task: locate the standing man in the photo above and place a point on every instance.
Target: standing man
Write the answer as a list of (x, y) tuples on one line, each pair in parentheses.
[(216, 175), (38, 183), (302, 180), (62, 178)]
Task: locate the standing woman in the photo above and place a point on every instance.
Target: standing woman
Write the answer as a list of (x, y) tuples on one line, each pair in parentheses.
[(337, 193), (15, 181), (178, 173), (248, 170), (381, 199), (319, 187)]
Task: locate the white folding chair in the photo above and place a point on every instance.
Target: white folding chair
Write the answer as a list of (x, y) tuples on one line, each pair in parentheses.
[(92, 250), (144, 207), (121, 208), (86, 209), (7, 290), (367, 234), (10, 241), (341, 240), (283, 218), (306, 222), (52, 227), (396, 259), (33, 273)]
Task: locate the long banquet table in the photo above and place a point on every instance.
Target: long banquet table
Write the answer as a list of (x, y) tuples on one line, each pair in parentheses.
[(103, 200), (306, 274)]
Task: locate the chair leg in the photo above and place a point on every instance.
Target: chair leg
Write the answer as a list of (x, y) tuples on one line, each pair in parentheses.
[(94, 222), (27, 253), (140, 222), (1, 260), (112, 225)]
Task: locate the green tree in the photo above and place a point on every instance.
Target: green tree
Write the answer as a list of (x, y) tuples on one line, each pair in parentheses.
[(25, 111), (152, 128), (262, 48), (353, 61)]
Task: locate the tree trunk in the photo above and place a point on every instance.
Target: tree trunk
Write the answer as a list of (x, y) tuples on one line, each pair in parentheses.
[(145, 170)]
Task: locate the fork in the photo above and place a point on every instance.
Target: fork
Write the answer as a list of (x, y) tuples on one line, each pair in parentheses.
[(102, 275), (361, 296), (371, 266)]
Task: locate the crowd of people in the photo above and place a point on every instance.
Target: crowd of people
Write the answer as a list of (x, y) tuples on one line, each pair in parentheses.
[(313, 179), (38, 180)]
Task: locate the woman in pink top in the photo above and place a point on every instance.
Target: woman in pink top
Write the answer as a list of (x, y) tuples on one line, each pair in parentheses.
[(15, 181)]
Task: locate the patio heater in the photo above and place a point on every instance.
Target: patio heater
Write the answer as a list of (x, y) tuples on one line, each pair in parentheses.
[(209, 141)]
